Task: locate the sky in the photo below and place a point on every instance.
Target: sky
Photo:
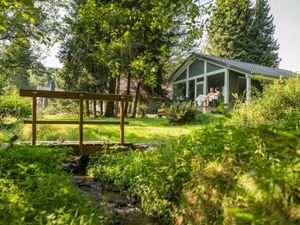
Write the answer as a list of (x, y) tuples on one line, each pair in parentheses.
[(287, 21)]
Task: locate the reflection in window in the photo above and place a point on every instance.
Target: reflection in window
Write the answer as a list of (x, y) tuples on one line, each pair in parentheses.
[(179, 91), (192, 90), (181, 76)]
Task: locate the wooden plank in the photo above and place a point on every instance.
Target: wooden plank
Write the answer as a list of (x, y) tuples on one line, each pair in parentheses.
[(122, 121), (33, 138), (81, 124), (75, 95), (73, 122)]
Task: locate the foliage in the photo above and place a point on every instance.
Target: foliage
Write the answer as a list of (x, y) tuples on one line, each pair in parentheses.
[(155, 177), (61, 106), (36, 190), (142, 110), (181, 112), (129, 38), (242, 176), (17, 64), (238, 30), (27, 19), (24, 26), (224, 173), (13, 105), (278, 107)]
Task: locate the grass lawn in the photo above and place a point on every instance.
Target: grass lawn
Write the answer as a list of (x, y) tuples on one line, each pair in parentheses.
[(150, 130)]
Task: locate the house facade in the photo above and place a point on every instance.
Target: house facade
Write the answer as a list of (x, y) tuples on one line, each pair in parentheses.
[(200, 72)]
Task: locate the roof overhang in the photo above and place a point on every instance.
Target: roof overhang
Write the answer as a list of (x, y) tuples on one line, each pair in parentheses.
[(195, 56)]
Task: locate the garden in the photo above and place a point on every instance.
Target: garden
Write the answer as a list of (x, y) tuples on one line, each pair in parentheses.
[(215, 141), (241, 167)]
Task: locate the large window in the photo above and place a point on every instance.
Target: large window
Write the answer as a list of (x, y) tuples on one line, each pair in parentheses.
[(181, 76), (179, 91), (212, 67), (196, 68), (192, 90)]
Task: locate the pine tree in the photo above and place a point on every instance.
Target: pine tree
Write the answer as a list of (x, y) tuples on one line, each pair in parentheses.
[(264, 48), (238, 30)]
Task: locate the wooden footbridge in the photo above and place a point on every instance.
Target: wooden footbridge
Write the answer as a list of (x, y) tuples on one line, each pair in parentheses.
[(80, 147)]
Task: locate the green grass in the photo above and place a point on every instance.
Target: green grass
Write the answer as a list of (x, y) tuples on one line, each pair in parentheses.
[(150, 130)]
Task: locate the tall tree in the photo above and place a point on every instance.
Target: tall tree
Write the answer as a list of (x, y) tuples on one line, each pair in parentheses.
[(133, 37), (264, 48), (237, 30), (24, 25)]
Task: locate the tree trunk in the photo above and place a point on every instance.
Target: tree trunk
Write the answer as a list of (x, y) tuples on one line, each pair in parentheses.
[(87, 102), (101, 108), (136, 99), (109, 112), (95, 108), (127, 93), (117, 92)]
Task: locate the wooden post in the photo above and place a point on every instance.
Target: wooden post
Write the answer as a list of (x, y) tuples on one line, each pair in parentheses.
[(226, 87), (34, 118), (122, 114), (248, 88), (81, 124)]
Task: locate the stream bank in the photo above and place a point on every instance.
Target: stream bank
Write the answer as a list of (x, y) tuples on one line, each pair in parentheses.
[(124, 211)]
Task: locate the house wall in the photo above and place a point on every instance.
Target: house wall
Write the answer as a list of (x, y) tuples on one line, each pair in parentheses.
[(200, 75)]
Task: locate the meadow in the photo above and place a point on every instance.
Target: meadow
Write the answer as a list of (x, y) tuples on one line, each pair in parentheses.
[(148, 130)]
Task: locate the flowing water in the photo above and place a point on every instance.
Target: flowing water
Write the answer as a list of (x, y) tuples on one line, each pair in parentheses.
[(125, 212)]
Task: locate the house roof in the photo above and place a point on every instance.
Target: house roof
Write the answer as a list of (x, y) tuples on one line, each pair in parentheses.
[(243, 67)]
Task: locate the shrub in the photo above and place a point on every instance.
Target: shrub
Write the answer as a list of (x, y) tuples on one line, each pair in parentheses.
[(13, 105), (181, 112), (61, 106), (155, 177), (279, 107), (36, 190), (142, 109)]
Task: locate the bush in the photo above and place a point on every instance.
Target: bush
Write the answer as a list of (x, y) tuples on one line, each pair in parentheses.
[(155, 177), (36, 190), (61, 106), (278, 107), (13, 105), (142, 109), (242, 176), (181, 112)]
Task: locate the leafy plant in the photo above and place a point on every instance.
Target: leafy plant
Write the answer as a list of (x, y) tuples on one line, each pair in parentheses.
[(181, 112), (142, 109), (36, 190), (232, 172), (13, 105)]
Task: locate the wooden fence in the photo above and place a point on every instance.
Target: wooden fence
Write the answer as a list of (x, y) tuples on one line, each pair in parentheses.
[(34, 94)]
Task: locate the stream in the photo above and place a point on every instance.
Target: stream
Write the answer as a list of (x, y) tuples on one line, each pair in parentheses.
[(125, 212)]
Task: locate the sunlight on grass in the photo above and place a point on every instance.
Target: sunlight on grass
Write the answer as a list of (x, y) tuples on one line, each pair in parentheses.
[(150, 130)]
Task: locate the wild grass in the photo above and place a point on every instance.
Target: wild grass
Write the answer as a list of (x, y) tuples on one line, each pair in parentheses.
[(149, 130), (36, 190)]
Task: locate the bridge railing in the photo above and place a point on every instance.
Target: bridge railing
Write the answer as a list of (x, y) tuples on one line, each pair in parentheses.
[(34, 94)]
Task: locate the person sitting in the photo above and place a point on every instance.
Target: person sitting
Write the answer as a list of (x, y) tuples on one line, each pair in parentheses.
[(216, 96), (201, 99), (210, 96)]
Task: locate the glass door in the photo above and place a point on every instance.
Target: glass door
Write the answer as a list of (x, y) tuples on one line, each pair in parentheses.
[(199, 89)]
